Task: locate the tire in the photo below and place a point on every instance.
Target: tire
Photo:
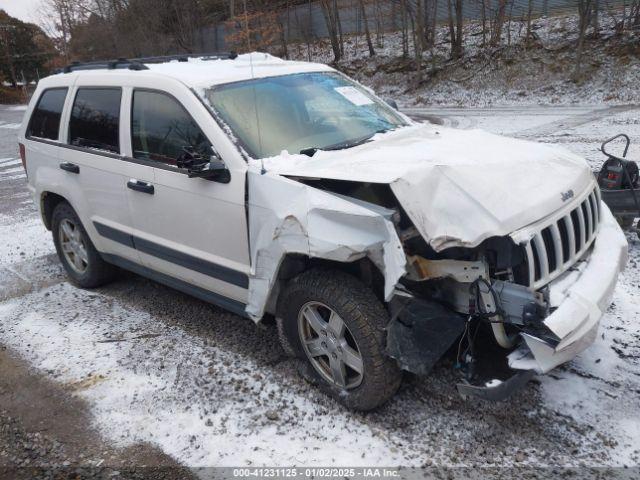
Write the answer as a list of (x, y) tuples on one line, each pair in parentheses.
[(86, 269), (335, 295)]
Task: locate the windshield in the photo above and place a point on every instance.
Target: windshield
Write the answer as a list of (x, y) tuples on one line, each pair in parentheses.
[(301, 113)]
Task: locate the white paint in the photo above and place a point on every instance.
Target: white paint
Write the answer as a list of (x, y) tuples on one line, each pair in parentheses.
[(458, 187), (290, 217), (199, 73)]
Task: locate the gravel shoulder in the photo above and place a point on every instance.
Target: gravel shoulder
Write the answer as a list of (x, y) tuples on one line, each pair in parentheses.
[(45, 429)]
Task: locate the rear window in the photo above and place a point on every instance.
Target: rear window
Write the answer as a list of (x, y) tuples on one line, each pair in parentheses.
[(95, 119), (45, 120)]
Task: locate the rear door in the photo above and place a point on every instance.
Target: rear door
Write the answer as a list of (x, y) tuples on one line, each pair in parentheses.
[(93, 156), (192, 229)]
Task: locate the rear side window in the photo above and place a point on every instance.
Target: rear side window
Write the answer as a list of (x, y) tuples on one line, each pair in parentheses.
[(95, 119), (161, 128), (45, 120)]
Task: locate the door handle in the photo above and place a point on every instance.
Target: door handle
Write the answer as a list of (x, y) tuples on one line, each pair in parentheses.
[(70, 167), (140, 186)]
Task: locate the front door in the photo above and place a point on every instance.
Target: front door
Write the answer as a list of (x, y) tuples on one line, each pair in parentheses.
[(190, 229)]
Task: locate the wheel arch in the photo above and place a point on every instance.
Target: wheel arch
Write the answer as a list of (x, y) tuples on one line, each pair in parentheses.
[(294, 264), (48, 202)]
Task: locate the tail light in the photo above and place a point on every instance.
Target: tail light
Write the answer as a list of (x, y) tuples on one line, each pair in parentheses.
[(23, 156)]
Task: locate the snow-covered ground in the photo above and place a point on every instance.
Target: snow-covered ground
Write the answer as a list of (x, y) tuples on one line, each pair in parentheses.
[(211, 389)]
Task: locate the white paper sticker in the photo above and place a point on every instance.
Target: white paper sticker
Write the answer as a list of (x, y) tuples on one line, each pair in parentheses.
[(354, 95)]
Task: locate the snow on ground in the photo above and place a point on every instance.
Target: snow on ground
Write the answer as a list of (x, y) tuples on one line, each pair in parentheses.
[(210, 388), (540, 73), (141, 388), (23, 240)]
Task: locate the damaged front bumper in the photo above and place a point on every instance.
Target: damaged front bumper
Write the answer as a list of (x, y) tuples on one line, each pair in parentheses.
[(420, 331), (578, 299)]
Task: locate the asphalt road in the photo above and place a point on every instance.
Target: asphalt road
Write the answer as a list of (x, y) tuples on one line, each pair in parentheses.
[(145, 374)]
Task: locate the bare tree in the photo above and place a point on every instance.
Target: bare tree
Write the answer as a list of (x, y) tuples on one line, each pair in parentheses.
[(584, 13), (332, 20), (498, 23), (455, 27), (367, 32), (65, 16)]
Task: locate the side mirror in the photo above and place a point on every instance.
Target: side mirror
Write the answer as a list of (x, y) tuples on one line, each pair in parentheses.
[(392, 103), (214, 170), (198, 167)]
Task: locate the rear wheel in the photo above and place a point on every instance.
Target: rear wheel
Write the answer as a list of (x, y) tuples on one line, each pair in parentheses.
[(336, 324), (82, 262)]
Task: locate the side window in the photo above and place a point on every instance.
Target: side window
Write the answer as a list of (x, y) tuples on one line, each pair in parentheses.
[(45, 120), (95, 119), (161, 128)]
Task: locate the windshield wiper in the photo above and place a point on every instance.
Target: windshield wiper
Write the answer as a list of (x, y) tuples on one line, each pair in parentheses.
[(311, 151)]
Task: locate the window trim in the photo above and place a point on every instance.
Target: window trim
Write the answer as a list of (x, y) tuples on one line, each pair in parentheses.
[(117, 154), (28, 134), (167, 94)]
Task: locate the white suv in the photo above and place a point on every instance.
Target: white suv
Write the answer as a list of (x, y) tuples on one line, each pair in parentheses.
[(379, 244)]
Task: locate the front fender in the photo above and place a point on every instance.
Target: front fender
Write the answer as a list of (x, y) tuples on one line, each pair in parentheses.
[(287, 217)]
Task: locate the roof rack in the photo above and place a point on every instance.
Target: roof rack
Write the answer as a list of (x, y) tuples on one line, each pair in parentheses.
[(139, 63)]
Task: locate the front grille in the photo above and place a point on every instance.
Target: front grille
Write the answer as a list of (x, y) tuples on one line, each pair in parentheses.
[(557, 246)]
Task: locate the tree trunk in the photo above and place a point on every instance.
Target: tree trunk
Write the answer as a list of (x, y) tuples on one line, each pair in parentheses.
[(459, 25), (283, 32), (332, 28), (336, 11), (496, 33), (529, 12), (595, 20), (452, 30), (405, 28), (367, 33), (419, 39), (584, 9), (484, 23)]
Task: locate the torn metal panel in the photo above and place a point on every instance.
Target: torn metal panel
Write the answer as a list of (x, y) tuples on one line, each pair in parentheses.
[(459, 270), (420, 332), (458, 186), (289, 217)]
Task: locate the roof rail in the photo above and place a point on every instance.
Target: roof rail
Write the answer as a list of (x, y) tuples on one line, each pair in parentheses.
[(139, 63)]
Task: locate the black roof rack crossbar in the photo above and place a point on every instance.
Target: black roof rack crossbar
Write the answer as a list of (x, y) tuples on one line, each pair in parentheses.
[(139, 63)]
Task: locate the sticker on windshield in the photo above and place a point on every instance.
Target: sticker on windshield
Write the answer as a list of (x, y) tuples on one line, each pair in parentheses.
[(354, 95)]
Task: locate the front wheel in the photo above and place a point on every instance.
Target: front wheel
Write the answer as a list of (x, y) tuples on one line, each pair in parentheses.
[(335, 323)]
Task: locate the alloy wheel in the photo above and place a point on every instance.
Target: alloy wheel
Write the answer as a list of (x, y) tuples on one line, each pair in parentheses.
[(73, 246), (329, 345)]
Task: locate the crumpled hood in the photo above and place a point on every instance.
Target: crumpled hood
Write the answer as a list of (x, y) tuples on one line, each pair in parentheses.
[(459, 187)]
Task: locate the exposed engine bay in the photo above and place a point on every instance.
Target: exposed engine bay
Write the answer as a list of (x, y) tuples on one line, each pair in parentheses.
[(448, 296)]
